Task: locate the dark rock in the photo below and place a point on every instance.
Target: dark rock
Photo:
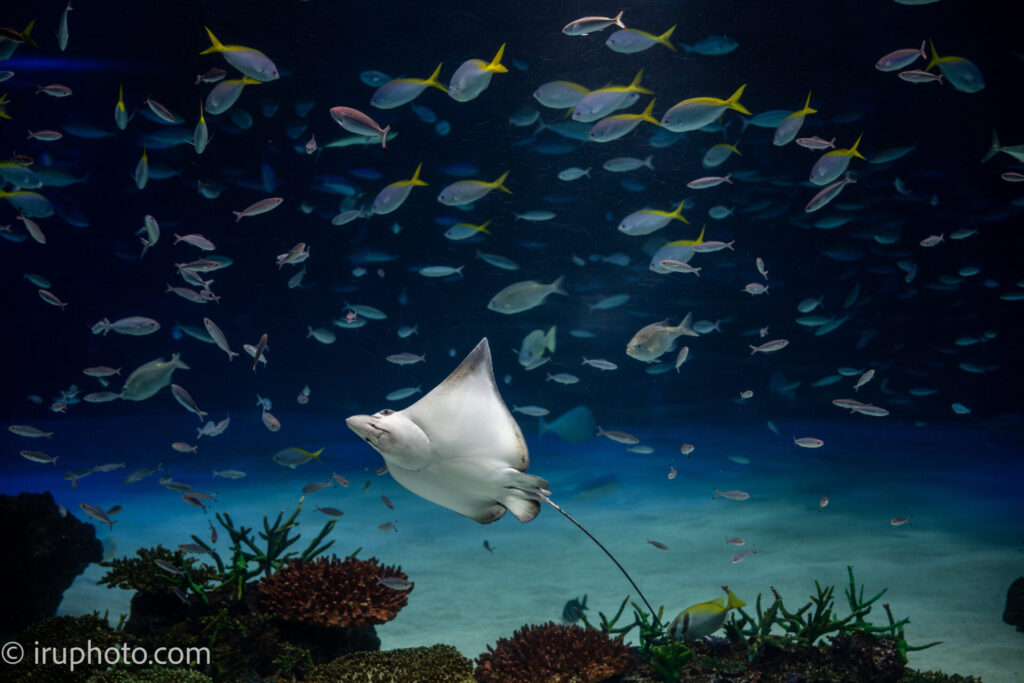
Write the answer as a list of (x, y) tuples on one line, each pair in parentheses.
[(326, 643), (153, 614), (1014, 612), (44, 553)]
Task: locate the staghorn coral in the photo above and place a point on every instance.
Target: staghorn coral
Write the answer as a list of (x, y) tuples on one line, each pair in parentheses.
[(141, 573), (434, 664), (555, 653), (331, 592)]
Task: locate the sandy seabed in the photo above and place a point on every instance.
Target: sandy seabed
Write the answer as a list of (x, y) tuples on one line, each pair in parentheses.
[(948, 570)]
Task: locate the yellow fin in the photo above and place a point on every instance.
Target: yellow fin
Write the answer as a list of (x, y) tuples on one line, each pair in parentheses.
[(433, 82), (497, 184), (734, 101), (935, 57), (27, 34), (663, 39), (415, 180), (677, 213), (807, 105), (635, 85), (496, 66), (645, 115), (734, 601), (483, 226), (215, 45), (853, 150)]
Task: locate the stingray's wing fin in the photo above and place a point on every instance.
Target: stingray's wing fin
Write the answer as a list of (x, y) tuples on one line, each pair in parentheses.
[(465, 417)]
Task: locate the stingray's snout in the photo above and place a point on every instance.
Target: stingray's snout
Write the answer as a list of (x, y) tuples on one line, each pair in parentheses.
[(360, 424)]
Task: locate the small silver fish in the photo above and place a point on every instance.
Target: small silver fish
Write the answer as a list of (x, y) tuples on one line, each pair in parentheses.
[(168, 567), (97, 514), (394, 583)]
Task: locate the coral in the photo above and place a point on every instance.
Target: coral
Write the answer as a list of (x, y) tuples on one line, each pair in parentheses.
[(912, 676), (435, 664), (62, 634), (246, 551), (241, 641), (806, 628), (51, 551), (332, 592), (556, 653), (142, 574), (153, 674), (651, 631), (293, 661)]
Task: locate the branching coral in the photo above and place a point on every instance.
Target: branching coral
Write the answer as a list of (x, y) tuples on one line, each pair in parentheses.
[(143, 574), (332, 592), (245, 550), (804, 628), (437, 664), (556, 653)]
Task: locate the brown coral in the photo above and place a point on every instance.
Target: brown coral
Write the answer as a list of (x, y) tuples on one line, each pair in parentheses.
[(332, 592), (555, 653)]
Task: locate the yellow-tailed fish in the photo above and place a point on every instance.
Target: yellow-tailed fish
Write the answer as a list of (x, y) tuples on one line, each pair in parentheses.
[(646, 221), (833, 164), (789, 127), (704, 618), (473, 77), (399, 91), (249, 61), (698, 112), (468, 191), (617, 125), (392, 196)]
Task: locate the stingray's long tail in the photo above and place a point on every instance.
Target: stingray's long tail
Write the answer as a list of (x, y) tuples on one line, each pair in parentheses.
[(569, 517)]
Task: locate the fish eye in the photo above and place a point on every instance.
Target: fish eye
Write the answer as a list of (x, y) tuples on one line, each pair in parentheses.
[(387, 411)]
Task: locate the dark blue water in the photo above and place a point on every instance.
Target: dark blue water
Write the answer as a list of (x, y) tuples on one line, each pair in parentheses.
[(958, 334)]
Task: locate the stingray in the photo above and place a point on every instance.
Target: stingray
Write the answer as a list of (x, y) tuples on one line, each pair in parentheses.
[(459, 447)]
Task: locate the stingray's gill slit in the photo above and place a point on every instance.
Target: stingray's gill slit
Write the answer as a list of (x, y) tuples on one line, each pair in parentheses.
[(460, 447)]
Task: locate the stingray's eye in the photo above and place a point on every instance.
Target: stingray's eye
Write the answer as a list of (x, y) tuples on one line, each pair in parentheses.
[(387, 411)]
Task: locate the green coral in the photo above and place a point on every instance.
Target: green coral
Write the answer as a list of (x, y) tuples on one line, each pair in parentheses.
[(245, 550), (650, 632), (292, 661), (142, 574), (434, 664), (665, 656), (668, 659), (804, 627)]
